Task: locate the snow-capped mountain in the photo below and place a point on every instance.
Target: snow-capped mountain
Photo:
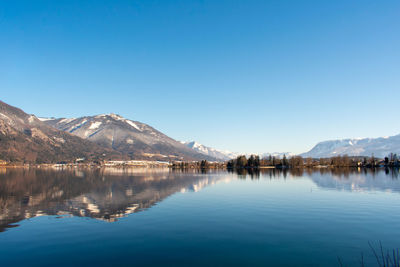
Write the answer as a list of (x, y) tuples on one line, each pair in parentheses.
[(227, 155), (278, 154), (209, 151), (24, 138), (138, 140), (379, 147)]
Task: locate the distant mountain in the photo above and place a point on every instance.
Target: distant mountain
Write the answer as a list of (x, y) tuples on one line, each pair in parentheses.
[(24, 138), (227, 155), (212, 152), (278, 154), (138, 140), (380, 147)]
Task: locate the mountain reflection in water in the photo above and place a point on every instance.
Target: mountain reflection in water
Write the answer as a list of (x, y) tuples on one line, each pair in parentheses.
[(104, 194), (348, 179), (110, 193)]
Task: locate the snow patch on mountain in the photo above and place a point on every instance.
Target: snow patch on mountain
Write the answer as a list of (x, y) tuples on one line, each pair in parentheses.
[(31, 118), (45, 119), (95, 125), (4, 116), (67, 120), (75, 126), (116, 117), (131, 123)]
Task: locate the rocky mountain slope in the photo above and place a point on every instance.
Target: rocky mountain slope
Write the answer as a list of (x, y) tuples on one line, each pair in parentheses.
[(138, 140), (379, 147), (24, 138)]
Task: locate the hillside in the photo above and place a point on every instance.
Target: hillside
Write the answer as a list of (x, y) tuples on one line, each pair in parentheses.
[(136, 139), (379, 147), (24, 138)]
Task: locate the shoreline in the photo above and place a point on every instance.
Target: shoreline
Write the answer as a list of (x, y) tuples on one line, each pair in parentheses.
[(170, 166)]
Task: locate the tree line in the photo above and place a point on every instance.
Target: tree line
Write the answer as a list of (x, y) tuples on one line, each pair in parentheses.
[(204, 164), (254, 161)]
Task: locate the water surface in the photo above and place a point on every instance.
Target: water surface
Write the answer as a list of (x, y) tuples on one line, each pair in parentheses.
[(154, 217)]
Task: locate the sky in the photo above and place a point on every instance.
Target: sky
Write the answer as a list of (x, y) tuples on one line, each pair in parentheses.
[(239, 75)]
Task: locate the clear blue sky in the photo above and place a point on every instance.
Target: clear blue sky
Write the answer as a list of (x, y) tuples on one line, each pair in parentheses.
[(247, 76)]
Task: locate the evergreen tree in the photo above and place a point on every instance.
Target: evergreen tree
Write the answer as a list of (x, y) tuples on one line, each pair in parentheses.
[(204, 164), (257, 161), (241, 162), (284, 160), (250, 162)]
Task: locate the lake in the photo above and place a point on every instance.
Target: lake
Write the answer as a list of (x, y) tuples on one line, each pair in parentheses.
[(148, 217)]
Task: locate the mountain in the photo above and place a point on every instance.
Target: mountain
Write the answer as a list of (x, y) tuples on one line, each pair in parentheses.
[(212, 152), (278, 154), (138, 140), (24, 138), (379, 147), (227, 155)]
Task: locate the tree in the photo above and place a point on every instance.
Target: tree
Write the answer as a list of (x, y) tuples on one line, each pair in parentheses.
[(309, 162), (204, 164), (256, 161), (284, 160), (345, 161), (372, 161), (230, 164), (386, 161), (250, 162), (296, 162)]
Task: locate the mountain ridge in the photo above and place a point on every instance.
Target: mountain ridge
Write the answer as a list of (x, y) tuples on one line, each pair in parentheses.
[(209, 151), (24, 138), (136, 139), (379, 147), (27, 138)]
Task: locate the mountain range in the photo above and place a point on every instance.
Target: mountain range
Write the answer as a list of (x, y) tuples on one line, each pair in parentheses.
[(27, 138), (227, 155), (24, 138), (379, 147), (133, 138), (211, 152)]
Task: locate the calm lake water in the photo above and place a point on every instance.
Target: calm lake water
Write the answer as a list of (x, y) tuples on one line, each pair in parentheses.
[(162, 217)]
